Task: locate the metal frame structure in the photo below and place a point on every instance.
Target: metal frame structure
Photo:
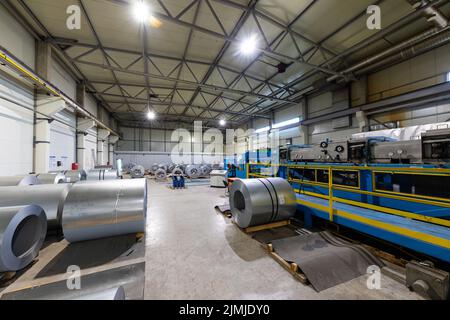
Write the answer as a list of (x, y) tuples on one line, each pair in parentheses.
[(263, 95)]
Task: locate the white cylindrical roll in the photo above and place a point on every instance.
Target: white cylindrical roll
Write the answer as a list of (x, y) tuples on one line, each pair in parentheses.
[(51, 178), (104, 209), (260, 201), (117, 293), (193, 171), (22, 233), (20, 180)]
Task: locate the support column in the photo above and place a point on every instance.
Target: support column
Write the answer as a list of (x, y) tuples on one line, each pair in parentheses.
[(82, 127), (46, 108), (304, 138), (112, 141), (363, 121), (102, 135)]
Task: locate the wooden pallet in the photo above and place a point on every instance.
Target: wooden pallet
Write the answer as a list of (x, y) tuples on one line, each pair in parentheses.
[(291, 267), (267, 226)]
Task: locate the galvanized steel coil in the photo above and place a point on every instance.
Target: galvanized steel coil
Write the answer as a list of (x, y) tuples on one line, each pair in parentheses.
[(177, 171), (205, 169), (51, 178), (20, 180), (22, 233), (171, 167), (101, 174), (104, 209), (50, 197), (137, 172), (193, 171), (75, 175), (154, 167), (117, 293), (260, 201), (161, 174)]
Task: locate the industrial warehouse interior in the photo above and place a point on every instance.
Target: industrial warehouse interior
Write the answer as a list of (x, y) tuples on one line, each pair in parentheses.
[(222, 150)]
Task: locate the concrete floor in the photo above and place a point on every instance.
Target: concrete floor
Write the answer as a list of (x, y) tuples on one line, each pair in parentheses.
[(194, 253)]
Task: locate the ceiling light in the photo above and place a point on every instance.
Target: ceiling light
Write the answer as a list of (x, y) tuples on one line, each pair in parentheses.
[(286, 123), (141, 11), (222, 122), (151, 115), (248, 46)]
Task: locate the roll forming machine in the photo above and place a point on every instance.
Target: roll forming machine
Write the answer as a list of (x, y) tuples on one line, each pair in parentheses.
[(397, 191)]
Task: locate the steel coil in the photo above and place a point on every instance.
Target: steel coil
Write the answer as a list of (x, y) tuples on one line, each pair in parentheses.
[(20, 180), (260, 201), (163, 166), (137, 172), (161, 174), (50, 197), (101, 174), (205, 169), (75, 175), (51, 178), (177, 171), (117, 293), (154, 167), (171, 167), (22, 233), (104, 208), (193, 171)]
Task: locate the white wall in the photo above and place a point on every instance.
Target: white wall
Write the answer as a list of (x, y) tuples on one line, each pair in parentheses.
[(62, 140), (16, 129)]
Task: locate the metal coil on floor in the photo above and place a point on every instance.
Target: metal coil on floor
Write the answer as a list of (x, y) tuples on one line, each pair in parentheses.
[(51, 178), (161, 174), (75, 175), (117, 293), (260, 201), (205, 169), (20, 180), (154, 167), (137, 172), (50, 197), (22, 233), (104, 209), (193, 171), (177, 171), (101, 174), (171, 167)]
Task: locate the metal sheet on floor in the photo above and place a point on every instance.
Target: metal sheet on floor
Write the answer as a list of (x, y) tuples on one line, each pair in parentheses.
[(325, 259)]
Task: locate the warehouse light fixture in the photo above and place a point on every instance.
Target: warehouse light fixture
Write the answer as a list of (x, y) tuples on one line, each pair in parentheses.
[(263, 129), (222, 122), (248, 46), (448, 76), (286, 123), (151, 115), (141, 11)]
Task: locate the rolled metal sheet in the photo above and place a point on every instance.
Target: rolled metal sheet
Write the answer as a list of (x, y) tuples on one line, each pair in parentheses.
[(205, 169), (163, 166), (259, 201), (104, 209), (22, 233), (51, 178), (50, 197), (117, 293), (161, 174), (171, 167), (75, 175), (193, 171), (101, 174), (154, 167), (177, 171), (20, 180), (137, 172)]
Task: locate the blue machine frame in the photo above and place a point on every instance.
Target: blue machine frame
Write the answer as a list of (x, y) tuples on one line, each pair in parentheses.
[(368, 202)]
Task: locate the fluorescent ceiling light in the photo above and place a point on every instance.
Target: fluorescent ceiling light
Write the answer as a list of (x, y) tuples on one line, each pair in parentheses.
[(286, 123), (263, 129), (151, 115), (248, 46), (448, 76), (141, 11), (222, 122)]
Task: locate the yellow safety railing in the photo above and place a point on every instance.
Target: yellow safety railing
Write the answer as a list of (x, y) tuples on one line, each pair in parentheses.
[(441, 202)]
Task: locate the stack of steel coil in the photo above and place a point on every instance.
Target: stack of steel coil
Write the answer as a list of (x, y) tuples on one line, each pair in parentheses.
[(161, 174), (260, 201), (193, 171), (51, 178)]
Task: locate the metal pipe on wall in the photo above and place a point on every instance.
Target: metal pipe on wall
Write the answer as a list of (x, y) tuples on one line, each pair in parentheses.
[(21, 180), (259, 201), (22, 233), (50, 197), (120, 208)]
